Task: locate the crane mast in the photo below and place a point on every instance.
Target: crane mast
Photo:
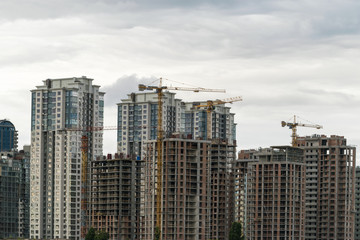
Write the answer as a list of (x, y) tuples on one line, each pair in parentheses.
[(84, 168), (160, 134)]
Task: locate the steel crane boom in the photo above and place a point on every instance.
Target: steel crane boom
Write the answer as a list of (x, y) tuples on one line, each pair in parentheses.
[(293, 126)]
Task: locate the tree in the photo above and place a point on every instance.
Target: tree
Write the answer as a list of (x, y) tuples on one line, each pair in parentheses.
[(96, 235), (157, 233), (102, 236), (236, 232), (91, 234)]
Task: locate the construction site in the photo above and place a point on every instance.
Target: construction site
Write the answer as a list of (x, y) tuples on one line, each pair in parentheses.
[(330, 191), (275, 194), (262, 182), (195, 189), (178, 183), (115, 196), (175, 174)]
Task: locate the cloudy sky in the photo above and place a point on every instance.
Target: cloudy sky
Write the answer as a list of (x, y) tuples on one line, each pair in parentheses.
[(282, 57)]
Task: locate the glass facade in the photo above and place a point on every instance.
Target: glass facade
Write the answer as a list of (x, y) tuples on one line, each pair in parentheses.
[(33, 104), (71, 109), (153, 121), (14, 197), (188, 118), (119, 133), (8, 136)]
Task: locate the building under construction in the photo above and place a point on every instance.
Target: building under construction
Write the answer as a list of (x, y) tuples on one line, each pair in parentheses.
[(115, 197), (357, 205), (196, 189), (276, 194), (330, 187), (241, 175)]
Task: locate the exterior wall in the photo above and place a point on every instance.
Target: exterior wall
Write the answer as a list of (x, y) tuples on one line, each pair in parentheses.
[(14, 195), (115, 197), (241, 176), (137, 121), (330, 192), (276, 194), (24, 191), (9, 185), (194, 122), (196, 190), (222, 158), (61, 110), (357, 205), (8, 136)]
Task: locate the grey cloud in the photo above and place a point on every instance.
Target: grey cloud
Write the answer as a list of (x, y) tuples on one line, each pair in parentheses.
[(231, 29), (283, 57), (122, 87), (56, 8), (303, 98)]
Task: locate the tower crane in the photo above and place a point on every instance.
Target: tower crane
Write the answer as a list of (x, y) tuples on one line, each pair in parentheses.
[(159, 90), (84, 167), (210, 106), (293, 126)]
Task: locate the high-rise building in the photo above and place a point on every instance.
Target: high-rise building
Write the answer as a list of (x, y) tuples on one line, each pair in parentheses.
[(241, 176), (138, 118), (61, 111), (196, 189), (276, 194), (330, 187), (115, 197), (8, 136), (14, 194), (24, 192), (357, 206)]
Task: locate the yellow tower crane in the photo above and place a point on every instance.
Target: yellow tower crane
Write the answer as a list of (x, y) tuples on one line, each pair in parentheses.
[(210, 106), (293, 126), (84, 169), (159, 90)]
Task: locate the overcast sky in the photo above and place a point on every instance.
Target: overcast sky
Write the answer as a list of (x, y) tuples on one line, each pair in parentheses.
[(283, 58)]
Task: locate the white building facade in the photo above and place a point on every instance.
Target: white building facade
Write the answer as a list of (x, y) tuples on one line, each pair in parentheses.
[(137, 121), (61, 110)]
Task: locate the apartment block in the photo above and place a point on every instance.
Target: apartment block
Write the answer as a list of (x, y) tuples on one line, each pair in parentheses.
[(241, 167), (115, 196), (196, 189), (14, 194), (330, 187), (357, 205), (62, 111), (276, 194), (137, 121), (222, 157)]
